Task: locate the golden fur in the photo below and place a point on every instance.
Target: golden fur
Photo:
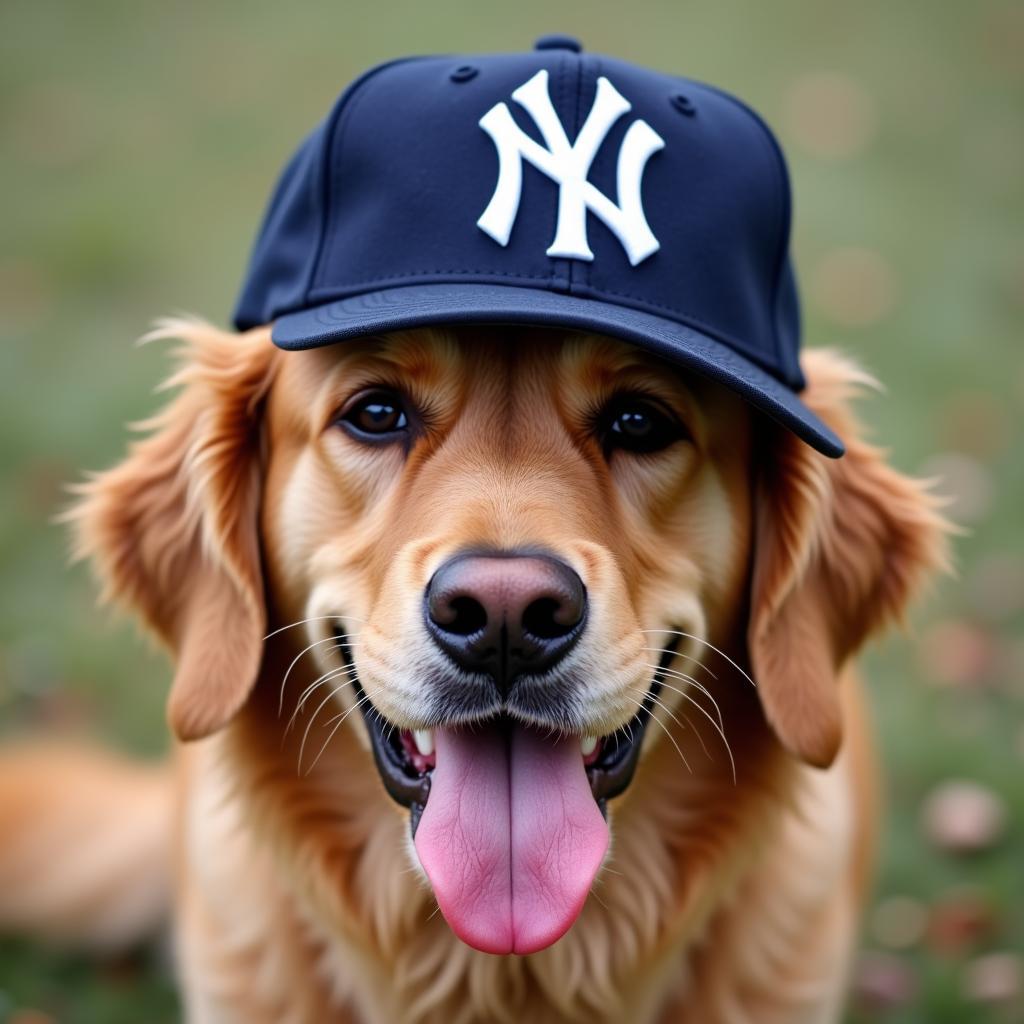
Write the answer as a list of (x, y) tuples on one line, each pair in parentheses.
[(245, 514)]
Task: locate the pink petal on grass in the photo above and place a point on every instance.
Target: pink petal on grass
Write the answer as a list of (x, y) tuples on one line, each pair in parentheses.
[(994, 978), (883, 981), (960, 816)]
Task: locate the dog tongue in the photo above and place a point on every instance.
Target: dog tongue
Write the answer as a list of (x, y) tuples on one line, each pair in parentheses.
[(511, 837)]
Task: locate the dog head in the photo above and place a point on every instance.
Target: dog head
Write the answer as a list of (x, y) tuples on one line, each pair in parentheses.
[(513, 551)]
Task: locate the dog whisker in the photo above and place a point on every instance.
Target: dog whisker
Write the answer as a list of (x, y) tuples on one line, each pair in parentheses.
[(313, 687), (334, 693), (312, 718), (707, 643), (718, 728), (676, 654), (683, 677), (336, 673), (320, 678), (298, 657), (654, 718), (340, 722), (719, 725), (347, 641), (327, 674), (668, 711)]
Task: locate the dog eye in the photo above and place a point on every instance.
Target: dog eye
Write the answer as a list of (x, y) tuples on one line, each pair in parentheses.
[(376, 416), (636, 424)]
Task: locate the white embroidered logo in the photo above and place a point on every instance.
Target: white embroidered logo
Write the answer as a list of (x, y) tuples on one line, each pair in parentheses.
[(569, 167)]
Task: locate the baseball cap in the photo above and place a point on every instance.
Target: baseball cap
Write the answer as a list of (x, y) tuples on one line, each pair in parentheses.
[(551, 188)]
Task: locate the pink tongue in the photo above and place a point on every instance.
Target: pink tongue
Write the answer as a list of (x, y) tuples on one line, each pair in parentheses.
[(511, 837)]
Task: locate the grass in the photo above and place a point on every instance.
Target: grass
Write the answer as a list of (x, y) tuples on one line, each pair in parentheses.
[(138, 144)]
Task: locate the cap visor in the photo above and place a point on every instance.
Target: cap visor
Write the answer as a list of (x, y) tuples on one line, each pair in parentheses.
[(395, 309)]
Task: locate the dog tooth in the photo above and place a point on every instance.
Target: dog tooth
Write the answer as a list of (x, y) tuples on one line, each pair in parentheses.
[(424, 740), (588, 745)]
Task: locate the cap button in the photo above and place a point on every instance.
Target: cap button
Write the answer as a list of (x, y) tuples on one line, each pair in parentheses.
[(558, 42)]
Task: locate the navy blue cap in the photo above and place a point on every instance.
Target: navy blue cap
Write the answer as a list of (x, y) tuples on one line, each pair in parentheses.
[(553, 188)]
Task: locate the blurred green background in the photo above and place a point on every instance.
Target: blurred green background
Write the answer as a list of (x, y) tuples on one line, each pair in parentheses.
[(138, 144)]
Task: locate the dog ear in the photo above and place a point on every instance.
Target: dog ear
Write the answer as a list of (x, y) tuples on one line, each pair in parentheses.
[(840, 547), (173, 529)]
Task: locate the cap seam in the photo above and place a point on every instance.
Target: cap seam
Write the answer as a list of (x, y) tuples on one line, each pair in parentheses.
[(572, 264), (344, 106), (781, 182), (597, 68), (558, 281)]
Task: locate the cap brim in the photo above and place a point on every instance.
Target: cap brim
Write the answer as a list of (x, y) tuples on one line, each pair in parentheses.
[(394, 309)]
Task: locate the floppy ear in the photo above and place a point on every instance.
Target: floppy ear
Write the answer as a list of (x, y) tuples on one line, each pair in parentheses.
[(173, 529), (840, 547)]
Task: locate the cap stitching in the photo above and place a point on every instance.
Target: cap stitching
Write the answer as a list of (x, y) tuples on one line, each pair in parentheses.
[(733, 349), (639, 303), (353, 288)]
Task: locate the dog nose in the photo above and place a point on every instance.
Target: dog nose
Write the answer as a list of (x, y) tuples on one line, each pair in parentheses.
[(505, 615)]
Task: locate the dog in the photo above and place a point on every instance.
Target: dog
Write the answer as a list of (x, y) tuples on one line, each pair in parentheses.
[(317, 536)]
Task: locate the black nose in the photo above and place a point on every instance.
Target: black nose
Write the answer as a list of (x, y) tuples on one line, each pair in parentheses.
[(505, 615)]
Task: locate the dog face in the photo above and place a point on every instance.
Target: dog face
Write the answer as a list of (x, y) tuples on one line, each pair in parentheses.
[(578, 469), (513, 551)]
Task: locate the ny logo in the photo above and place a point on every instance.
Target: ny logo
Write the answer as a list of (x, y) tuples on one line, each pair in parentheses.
[(569, 166)]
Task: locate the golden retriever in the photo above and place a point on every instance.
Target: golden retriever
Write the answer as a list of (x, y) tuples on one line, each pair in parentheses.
[(677, 775)]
